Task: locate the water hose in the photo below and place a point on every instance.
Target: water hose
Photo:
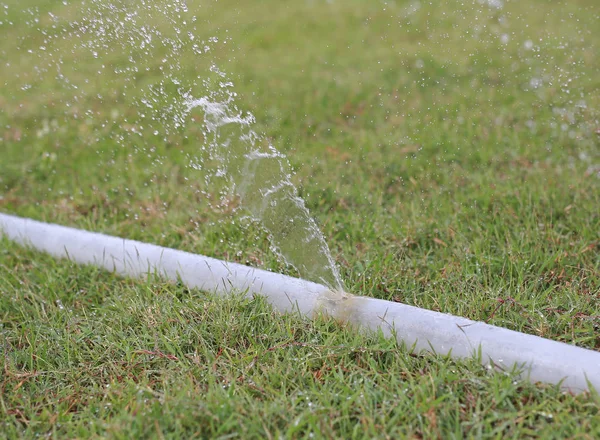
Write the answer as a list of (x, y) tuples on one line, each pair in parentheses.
[(540, 360)]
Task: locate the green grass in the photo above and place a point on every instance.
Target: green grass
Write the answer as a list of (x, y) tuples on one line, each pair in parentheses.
[(441, 173)]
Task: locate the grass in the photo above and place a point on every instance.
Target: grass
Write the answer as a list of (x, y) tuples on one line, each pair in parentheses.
[(450, 155)]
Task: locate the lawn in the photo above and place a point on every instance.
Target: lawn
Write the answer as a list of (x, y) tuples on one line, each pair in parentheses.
[(450, 154)]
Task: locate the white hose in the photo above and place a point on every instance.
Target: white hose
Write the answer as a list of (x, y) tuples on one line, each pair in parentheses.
[(541, 360)]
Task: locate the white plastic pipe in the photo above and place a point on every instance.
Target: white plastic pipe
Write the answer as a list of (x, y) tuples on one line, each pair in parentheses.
[(541, 360)]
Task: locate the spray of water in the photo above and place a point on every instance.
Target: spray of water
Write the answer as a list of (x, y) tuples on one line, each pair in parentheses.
[(259, 176), (152, 50)]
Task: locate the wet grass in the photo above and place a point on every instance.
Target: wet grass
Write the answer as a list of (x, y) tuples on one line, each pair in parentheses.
[(450, 155)]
